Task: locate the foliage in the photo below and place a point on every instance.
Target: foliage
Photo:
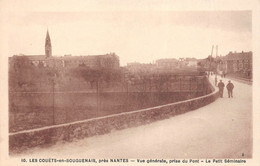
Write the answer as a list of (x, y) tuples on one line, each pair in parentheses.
[(23, 74), (96, 75)]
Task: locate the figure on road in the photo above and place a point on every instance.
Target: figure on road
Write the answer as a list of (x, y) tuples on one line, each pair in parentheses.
[(230, 88), (216, 80), (221, 86)]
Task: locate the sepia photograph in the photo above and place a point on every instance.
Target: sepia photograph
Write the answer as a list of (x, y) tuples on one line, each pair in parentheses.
[(130, 83)]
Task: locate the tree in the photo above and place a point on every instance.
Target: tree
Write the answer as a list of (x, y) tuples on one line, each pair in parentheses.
[(97, 75)]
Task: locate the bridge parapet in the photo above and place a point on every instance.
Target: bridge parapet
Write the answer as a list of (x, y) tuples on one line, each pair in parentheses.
[(23, 140)]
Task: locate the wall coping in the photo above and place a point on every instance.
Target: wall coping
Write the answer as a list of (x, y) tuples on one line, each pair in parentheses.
[(115, 115)]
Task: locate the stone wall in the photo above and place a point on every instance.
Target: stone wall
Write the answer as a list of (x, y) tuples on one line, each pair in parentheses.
[(35, 110), (23, 140)]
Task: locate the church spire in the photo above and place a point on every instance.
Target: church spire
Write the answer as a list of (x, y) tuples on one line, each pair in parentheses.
[(48, 51)]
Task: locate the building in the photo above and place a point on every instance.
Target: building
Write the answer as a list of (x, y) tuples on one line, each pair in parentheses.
[(192, 62), (174, 63), (48, 49), (110, 60), (167, 63), (237, 63)]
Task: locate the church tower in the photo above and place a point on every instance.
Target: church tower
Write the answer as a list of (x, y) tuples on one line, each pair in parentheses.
[(48, 52)]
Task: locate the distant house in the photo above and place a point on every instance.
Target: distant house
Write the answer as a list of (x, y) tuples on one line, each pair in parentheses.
[(237, 63), (167, 63), (191, 62)]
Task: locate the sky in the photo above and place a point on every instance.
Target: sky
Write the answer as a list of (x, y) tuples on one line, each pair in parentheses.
[(135, 36)]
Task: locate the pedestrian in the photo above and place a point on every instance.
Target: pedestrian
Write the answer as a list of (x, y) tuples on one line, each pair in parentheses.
[(230, 87), (216, 80), (221, 86)]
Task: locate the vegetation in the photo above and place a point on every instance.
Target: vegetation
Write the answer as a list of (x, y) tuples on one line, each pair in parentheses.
[(23, 75), (208, 64), (93, 76)]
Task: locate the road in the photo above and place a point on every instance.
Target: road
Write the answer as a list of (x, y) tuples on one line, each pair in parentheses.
[(222, 129)]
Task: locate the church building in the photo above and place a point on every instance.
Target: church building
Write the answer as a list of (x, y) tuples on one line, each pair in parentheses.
[(110, 60), (48, 52)]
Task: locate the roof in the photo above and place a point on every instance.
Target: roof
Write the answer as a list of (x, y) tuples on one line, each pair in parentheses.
[(238, 56), (36, 57), (81, 57), (166, 60), (68, 57)]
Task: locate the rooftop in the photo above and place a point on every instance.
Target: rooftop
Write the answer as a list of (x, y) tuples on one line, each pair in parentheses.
[(237, 56)]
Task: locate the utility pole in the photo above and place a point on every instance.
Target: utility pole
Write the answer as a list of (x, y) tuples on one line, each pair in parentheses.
[(211, 57), (216, 59), (97, 86), (216, 51), (53, 101), (53, 94)]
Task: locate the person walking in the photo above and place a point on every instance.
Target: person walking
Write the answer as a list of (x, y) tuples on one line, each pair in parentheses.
[(230, 87), (221, 74), (216, 80), (221, 86)]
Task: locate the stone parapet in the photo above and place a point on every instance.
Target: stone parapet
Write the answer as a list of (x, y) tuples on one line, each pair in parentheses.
[(23, 140)]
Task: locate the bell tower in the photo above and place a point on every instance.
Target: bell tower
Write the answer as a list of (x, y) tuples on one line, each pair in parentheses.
[(48, 51)]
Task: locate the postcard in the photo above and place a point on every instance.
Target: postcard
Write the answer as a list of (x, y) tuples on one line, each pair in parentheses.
[(129, 82)]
